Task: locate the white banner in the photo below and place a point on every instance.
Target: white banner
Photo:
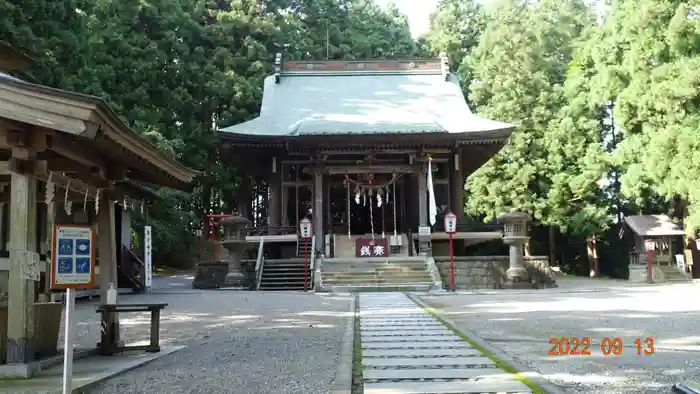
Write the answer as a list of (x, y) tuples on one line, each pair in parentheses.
[(147, 256)]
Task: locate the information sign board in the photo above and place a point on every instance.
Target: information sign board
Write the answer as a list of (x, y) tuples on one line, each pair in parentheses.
[(148, 256), (73, 257)]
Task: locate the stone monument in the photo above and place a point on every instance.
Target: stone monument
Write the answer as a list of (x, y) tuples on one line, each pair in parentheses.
[(515, 236)]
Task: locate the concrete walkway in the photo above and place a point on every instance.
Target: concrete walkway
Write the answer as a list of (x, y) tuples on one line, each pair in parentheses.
[(406, 350)]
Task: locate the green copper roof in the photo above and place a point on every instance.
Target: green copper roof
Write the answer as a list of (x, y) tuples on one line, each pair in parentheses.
[(347, 98)]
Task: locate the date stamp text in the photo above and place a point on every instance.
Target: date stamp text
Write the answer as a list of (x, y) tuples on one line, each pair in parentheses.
[(608, 346)]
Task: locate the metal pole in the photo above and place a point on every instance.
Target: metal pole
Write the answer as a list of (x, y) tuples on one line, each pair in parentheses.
[(68, 342), (452, 264), (649, 265)]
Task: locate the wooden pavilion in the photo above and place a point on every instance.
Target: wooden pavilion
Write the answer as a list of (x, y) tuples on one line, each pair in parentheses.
[(65, 158)]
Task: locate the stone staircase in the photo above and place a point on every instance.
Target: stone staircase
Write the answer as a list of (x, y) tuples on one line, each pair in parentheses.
[(284, 275), (375, 274), (673, 274)]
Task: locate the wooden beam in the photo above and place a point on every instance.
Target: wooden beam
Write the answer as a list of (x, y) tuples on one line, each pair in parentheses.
[(62, 164), (77, 152)]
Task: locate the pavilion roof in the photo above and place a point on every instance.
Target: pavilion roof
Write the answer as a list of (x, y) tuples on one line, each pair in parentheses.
[(366, 98), (90, 128)]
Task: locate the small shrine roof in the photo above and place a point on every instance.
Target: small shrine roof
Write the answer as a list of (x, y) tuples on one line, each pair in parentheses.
[(653, 225), (361, 98)]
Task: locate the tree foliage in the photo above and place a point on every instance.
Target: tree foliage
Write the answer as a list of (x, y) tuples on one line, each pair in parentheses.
[(175, 69), (605, 100)]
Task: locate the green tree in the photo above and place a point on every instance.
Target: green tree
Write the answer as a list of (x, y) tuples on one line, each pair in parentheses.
[(455, 28)]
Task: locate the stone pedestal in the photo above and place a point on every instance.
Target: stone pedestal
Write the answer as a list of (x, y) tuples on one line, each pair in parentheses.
[(515, 236), (236, 244)]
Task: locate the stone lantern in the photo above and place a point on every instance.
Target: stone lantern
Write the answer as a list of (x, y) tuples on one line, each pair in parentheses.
[(515, 236), (235, 242)]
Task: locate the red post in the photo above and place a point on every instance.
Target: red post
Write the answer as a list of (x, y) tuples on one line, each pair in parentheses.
[(452, 264), (649, 265), (213, 240), (199, 245), (306, 267)]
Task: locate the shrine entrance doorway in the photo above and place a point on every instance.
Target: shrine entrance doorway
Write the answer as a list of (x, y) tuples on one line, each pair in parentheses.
[(372, 210)]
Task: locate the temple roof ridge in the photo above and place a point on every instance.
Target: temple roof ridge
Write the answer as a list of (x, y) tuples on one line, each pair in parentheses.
[(361, 67), (357, 97)]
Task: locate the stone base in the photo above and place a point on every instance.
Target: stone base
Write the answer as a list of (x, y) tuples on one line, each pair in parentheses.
[(33, 368), (518, 285), (210, 275), (21, 371)]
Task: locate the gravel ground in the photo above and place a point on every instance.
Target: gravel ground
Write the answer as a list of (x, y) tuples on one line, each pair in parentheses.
[(522, 323), (237, 341)]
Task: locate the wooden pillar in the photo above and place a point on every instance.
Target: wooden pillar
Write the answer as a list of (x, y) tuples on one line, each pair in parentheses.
[(106, 242), (275, 195), (456, 186), (243, 200), (50, 220), (126, 228), (107, 252), (21, 297), (284, 198), (422, 195), (318, 208)]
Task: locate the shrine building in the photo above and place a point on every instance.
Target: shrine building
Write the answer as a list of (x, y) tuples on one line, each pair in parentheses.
[(374, 153)]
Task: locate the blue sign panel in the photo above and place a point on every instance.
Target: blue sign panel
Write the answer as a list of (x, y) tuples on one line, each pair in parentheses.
[(82, 247), (65, 247), (65, 265), (73, 258), (82, 265)]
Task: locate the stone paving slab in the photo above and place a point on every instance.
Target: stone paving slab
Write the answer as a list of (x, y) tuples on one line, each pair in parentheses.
[(459, 387), (427, 320), (414, 328), (426, 362), (408, 351), (431, 373), (413, 338), (431, 352), (397, 333), (415, 345), (401, 325), (404, 317)]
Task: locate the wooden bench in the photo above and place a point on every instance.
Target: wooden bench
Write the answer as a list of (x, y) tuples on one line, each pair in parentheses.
[(109, 341)]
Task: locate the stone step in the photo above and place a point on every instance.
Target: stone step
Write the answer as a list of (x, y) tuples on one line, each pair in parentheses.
[(376, 275), (293, 260), (283, 269), (372, 270), (417, 279), (361, 269), (282, 279), (285, 288), (385, 287)]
